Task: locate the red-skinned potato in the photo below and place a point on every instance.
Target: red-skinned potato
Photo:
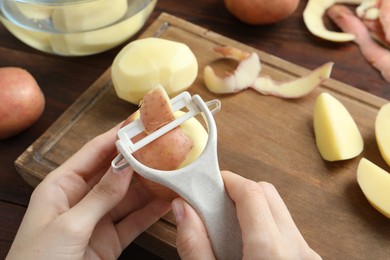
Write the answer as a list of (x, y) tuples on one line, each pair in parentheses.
[(175, 149), (21, 101), (261, 11)]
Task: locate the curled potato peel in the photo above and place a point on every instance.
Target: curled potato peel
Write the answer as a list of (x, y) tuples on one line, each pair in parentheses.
[(247, 76), (313, 19)]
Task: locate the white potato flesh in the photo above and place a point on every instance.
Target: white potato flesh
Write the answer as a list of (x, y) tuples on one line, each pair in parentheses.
[(375, 184), (173, 150), (34, 11), (313, 19), (199, 136), (382, 132), (88, 16), (337, 135), (85, 43), (146, 63), (195, 131), (295, 88)]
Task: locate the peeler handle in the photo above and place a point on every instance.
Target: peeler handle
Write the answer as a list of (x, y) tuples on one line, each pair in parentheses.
[(206, 193), (201, 185)]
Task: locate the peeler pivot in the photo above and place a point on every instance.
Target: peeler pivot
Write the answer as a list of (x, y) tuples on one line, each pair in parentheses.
[(199, 183)]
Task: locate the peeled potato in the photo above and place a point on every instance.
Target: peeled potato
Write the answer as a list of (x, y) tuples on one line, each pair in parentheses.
[(88, 16), (337, 135), (382, 132), (146, 63), (175, 149), (375, 184)]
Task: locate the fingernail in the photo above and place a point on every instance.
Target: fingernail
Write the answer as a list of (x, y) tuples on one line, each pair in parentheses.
[(178, 210), (121, 172)]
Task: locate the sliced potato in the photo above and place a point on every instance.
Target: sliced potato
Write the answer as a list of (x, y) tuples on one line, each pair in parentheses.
[(375, 184), (382, 132), (337, 135)]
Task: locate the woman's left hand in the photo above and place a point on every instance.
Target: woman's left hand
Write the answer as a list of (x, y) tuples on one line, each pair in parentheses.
[(85, 210)]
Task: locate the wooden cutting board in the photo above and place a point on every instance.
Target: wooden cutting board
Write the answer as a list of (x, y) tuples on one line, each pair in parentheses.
[(260, 137)]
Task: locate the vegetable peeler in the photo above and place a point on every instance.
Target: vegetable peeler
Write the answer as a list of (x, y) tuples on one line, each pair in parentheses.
[(199, 183)]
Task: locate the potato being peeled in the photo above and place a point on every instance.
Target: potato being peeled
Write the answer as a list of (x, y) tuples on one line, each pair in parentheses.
[(177, 148), (21, 101), (146, 63)]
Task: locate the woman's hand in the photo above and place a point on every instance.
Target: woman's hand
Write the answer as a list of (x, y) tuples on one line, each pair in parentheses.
[(268, 231), (85, 210)]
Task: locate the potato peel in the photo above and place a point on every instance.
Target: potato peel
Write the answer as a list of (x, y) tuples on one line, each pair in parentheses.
[(247, 76), (244, 75), (295, 88), (312, 17), (377, 55)]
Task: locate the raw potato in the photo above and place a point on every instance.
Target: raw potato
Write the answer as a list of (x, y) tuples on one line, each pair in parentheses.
[(261, 11), (146, 63), (375, 184), (35, 11), (156, 110), (337, 135), (88, 16), (99, 40), (382, 132), (175, 149), (21, 101)]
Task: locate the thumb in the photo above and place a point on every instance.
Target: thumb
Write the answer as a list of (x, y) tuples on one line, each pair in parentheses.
[(192, 241), (102, 198)]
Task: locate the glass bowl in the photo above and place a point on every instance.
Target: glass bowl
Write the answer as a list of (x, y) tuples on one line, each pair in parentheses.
[(74, 27)]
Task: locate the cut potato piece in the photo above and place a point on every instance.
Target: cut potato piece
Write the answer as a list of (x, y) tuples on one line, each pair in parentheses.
[(146, 63), (382, 132), (337, 135), (375, 184)]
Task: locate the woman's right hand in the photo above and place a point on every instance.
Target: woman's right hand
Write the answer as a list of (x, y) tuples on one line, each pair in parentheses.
[(268, 230)]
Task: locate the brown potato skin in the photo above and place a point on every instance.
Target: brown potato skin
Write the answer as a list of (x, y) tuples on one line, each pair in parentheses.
[(21, 101), (168, 151), (160, 155), (258, 12)]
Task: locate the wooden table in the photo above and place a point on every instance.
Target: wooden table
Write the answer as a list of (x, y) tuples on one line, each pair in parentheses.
[(64, 79)]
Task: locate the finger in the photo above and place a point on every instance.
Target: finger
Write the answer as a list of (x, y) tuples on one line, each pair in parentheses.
[(136, 198), (253, 212), (103, 197), (280, 212), (192, 241), (140, 220), (92, 159)]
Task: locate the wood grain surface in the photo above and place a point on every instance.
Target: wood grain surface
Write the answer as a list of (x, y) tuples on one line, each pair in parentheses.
[(263, 138)]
